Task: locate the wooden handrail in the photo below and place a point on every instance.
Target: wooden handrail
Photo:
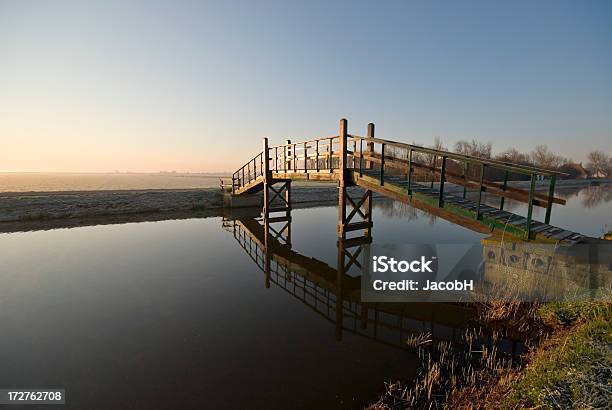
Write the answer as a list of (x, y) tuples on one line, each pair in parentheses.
[(518, 168)]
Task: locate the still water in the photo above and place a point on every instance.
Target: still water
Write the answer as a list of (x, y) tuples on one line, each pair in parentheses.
[(178, 314)]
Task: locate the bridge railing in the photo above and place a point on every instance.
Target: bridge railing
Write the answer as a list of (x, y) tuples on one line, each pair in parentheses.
[(443, 166), (249, 172), (382, 158), (320, 154)]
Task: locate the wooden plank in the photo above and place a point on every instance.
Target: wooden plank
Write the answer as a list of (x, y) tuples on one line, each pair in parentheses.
[(356, 226)]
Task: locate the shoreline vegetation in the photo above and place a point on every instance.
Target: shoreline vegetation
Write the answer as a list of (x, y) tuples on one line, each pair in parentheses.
[(27, 207), (568, 363)]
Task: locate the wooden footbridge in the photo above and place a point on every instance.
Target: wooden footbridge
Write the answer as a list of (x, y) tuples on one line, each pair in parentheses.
[(446, 184)]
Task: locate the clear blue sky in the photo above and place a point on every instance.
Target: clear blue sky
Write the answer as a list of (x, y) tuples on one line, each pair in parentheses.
[(147, 86)]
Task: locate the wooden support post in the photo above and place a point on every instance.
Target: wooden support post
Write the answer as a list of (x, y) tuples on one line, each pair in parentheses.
[(295, 157), (482, 171), (505, 184), (249, 170), (409, 171), (465, 179), (368, 212), (288, 213), (551, 195), (382, 164), (305, 158), (442, 171), (433, 171), (530, 206), (341, 180), (370, 148), (354, 153)]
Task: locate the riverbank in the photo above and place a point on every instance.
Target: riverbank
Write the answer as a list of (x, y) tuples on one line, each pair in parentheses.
[(568, 363), (49, 210), (45, 206), (569, 368), (33, 206)]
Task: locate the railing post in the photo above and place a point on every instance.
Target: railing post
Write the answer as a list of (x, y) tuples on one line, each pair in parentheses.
[(382, 164), (501, 202), (286, 155), (294, 158), (317, 154), (265, 172), (551, 196), (360, 157), (370, 148), (341, 180), (249, 170), (329, 154), (305, 158), (482, 172), (233, 183), (409, 171), (442, 171), (530, 205), (354, 152)]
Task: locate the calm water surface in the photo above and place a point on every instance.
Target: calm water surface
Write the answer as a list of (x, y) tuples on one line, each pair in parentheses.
[(176, 314)]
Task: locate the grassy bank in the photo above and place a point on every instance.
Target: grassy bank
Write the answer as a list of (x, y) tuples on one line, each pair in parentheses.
[(568, 364), (572, 368)]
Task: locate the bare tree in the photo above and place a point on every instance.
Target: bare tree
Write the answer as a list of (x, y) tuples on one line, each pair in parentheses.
[(599, 163), (438, 144), (474, 148), (542, 157), (513, 155)]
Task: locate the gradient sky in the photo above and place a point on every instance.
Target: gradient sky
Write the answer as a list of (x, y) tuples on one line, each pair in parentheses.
[(193, 86)]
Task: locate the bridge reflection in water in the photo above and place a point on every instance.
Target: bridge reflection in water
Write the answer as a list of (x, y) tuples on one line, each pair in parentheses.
[(334, 293)]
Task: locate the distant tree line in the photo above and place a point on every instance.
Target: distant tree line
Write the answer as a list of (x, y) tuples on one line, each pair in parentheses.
[(599, 164)]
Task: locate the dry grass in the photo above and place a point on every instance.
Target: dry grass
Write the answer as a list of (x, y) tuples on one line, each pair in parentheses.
[(560, 336)]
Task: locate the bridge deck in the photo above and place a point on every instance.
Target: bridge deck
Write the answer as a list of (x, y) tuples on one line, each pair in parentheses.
[(454, 208)]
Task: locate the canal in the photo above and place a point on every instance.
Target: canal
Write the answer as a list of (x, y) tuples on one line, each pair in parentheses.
[(176, 314)]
